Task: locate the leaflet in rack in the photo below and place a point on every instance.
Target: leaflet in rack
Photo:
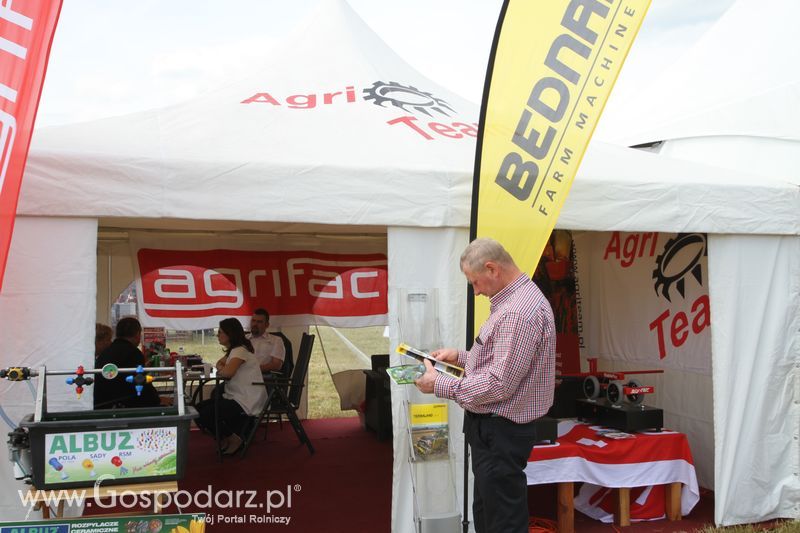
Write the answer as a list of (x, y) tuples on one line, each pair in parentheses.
[(445, 368)]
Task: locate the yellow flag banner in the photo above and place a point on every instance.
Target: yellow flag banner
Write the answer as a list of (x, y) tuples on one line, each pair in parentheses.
[(552, 68)]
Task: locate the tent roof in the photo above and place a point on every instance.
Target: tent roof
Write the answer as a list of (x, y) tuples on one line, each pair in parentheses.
[(327, 140), (740, 78), (347, 161)]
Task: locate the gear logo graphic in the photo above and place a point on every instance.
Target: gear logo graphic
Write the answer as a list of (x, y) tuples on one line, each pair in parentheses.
[(407, 98), (680, 258)]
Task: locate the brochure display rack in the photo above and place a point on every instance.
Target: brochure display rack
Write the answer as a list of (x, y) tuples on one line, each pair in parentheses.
[(429, 431), (432, 464)]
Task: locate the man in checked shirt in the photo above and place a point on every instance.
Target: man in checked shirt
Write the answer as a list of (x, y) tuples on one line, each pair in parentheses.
[(508, 383)]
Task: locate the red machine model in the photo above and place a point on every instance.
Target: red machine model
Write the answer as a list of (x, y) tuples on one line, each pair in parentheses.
[(614, 384)]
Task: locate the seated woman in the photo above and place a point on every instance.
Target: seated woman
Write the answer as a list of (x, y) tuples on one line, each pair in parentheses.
[(240, 399)]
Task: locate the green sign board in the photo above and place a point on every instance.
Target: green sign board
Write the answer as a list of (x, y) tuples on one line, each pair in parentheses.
[(122, 453)]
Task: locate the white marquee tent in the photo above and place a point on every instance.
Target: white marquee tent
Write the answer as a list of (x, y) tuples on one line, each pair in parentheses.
[(734, 101), (380, 152)]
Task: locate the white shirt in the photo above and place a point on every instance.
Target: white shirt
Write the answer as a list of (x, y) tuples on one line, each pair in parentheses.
[(240, 387), (268, 347)]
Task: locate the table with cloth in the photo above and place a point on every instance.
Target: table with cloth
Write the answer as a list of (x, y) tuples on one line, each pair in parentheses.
[(646, 477)]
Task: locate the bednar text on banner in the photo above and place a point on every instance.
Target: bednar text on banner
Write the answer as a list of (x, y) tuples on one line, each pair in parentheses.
[(552, 69)]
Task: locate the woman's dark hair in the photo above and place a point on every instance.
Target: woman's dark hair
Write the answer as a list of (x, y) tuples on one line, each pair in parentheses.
[(235, 332)]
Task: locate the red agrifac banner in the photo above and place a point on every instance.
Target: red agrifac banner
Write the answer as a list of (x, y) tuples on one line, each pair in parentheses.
[(26, 32), (189, 289)]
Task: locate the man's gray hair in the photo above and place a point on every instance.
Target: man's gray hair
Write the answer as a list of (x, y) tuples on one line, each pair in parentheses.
[(479, 251)]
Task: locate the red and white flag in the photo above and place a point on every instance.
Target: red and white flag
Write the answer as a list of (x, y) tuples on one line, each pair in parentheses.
[(26, 32)]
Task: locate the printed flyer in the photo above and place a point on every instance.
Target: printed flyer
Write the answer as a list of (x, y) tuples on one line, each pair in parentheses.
[(429, 431)]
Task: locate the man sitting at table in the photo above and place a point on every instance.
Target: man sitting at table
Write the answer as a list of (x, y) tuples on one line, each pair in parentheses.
[(269, 349), (123, 352)]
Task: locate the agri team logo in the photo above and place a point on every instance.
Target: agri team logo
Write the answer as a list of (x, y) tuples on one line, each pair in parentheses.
[(407, 98), (681, 258), (417, 113)]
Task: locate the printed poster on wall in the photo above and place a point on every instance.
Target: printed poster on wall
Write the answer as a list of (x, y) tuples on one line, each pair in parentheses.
[(93, 455), (644, 298)]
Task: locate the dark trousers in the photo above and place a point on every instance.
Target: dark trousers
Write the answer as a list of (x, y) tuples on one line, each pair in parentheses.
[(231, 416), (500, 450)]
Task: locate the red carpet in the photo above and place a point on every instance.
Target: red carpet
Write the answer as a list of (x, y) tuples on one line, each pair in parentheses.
[(346, 486)]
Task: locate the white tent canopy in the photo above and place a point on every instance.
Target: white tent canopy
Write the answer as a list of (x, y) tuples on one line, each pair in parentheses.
[(741, 79), (389, 152), (317, 122)]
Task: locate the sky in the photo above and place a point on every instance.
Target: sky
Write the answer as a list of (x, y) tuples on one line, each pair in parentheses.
[(113, 57)]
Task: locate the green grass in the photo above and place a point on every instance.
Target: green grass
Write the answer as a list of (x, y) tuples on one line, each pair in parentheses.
[(323, 401), (784, 527)]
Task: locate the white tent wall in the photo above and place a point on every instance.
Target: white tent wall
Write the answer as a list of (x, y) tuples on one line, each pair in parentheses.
[(685, 396), (47, 310), (754, 292), (733, 102), (755, 297), (425, 261)]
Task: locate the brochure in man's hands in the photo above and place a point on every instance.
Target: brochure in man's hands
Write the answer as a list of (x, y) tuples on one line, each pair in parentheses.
[(445, 368), (405, 374)]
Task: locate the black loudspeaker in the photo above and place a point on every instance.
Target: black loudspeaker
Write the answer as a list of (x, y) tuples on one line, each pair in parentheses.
[(569, 390), (378, 398)]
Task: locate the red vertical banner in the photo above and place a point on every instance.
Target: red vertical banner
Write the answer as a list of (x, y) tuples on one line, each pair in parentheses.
[(26, 32)]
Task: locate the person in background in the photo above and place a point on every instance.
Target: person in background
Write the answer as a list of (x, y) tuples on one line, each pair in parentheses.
[(269, 349), (102, 338), (124, 353), (508, 383), (241, 398)]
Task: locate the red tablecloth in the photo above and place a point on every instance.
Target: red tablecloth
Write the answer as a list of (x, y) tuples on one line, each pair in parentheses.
[(644, 462)]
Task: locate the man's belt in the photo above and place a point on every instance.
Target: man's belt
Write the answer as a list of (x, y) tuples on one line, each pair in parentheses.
[(481, 415)]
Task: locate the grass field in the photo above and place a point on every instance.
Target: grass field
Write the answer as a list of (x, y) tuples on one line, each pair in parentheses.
[(785, 527), (323, 401)]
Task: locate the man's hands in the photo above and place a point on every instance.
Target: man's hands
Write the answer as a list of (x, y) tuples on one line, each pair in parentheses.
[(448, 355), (427, 380)]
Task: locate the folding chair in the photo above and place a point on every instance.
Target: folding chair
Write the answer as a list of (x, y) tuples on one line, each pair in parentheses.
[(288, 361), (284, 396), (285, 372)]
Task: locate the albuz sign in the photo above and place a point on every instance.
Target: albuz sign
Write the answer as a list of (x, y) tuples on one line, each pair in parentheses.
[(192, 289)]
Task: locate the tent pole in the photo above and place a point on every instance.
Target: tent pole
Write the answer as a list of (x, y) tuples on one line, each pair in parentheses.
[(465, 520)]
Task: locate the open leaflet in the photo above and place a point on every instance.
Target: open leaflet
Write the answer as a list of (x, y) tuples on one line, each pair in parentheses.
[(405, 374), (441, 366)]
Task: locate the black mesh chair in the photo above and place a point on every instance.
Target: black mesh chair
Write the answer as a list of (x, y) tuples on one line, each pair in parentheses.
[(284, 394)]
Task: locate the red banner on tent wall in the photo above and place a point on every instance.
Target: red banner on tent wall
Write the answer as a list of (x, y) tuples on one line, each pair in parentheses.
[(26, 32), (185, 289)]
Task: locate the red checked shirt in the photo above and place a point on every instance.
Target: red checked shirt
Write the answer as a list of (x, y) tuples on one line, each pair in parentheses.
[(510, 369)]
